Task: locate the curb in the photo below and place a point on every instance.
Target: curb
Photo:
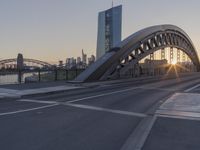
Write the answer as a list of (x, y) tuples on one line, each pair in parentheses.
[(10, 97), (47, 92), (33, 92)]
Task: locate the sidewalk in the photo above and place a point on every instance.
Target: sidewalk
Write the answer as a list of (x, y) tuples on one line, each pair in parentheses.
[(16, 91), (177, 124)]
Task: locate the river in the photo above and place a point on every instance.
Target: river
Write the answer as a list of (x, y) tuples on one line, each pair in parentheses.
[(13, 79)]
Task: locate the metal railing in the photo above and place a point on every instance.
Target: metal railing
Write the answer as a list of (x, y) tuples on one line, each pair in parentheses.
[(14, 76)]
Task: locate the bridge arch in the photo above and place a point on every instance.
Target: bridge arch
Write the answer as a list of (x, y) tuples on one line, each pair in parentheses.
[(138, 46), (42, 63)]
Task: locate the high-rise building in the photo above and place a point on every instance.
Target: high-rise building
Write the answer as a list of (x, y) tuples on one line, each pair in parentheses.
[(109, 30), (78, 63), (84, 58), (78, 60), (91, 60), (70, 63)]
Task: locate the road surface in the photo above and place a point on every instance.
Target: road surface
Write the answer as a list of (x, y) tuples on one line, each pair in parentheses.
[(109, 116)]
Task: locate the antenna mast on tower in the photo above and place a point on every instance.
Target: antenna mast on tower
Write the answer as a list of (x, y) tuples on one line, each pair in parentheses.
[(112, 3)]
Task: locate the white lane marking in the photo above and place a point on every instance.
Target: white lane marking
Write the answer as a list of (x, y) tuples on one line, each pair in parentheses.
[(138, 137), (101, 95), (106, 110), (192, 88), (27, 110), (37, 101), (146, 132)]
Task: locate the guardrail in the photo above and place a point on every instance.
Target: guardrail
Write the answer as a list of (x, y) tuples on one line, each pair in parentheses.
[(14, 76)]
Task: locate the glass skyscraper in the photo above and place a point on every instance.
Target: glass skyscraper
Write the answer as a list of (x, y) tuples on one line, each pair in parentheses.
[(109, 30)]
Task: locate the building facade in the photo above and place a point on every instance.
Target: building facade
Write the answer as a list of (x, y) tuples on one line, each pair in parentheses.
[(91, 60), (70, 63), (109, 30), (84, 58)]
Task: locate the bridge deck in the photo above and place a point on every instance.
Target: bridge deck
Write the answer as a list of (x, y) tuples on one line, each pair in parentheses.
[(108, 116)]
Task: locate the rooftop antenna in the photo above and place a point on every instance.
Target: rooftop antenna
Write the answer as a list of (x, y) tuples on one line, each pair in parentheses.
[(112, 3)]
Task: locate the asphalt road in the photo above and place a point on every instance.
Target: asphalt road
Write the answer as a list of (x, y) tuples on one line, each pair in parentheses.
[(97, 117)]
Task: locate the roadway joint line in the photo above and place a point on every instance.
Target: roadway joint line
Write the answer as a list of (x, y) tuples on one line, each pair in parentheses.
[(121, 112), (87, 107)]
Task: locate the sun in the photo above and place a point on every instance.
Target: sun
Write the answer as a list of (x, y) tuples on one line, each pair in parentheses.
[(173, 62)]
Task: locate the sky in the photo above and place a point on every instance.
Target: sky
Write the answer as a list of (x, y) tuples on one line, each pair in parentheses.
[(52, 30)]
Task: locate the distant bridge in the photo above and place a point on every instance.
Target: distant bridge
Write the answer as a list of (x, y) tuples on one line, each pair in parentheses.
[(14, 60), (138, 46)]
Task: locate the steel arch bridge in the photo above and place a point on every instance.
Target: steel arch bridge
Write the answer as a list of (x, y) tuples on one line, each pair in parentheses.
[(138, 46), (42, 63)]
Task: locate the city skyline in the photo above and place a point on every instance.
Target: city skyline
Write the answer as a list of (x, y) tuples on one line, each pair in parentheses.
[(37, 28)]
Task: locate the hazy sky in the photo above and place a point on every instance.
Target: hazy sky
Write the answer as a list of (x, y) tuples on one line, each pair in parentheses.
[(51, 30)]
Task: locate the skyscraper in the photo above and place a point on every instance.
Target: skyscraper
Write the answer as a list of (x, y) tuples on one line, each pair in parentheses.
[(84, 58), (109, 30)]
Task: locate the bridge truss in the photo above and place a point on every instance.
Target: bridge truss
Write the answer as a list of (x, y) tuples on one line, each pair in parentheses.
[(138, 46)]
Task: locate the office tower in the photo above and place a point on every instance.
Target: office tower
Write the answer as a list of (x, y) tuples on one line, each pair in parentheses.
[(109, 30), (84, 58), (91, 60)]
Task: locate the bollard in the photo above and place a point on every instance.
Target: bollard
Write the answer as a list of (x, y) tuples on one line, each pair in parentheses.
[(19, 76), (66, 74), (56, 74), (76, 73), (39, 77)]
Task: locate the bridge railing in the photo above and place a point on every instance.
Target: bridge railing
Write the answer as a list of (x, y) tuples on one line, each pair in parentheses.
[(14, 76)]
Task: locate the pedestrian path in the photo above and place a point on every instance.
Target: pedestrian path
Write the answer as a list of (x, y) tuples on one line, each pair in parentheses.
[(181, 105), (14, 92)]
